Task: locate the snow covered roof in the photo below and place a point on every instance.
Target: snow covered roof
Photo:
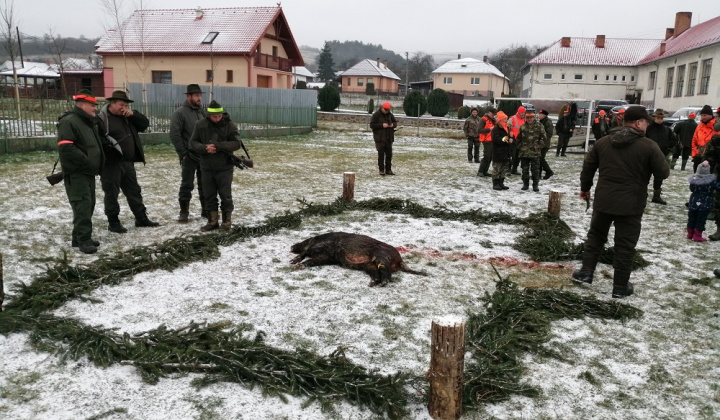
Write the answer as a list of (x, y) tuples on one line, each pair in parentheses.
[(302, 71), (706, 33), (30, 69), (369, 67), (583, 51), (238, 30), (469, 66)]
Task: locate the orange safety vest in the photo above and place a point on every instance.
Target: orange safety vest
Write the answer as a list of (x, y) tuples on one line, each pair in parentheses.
[(703, 134), (485, 137), (516, 123)]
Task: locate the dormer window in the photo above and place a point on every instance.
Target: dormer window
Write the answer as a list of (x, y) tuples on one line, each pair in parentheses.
[(210, 37), (463, 65)]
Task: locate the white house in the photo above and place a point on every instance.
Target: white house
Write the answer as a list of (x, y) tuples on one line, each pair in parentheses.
[(301, 74), (471, 77)]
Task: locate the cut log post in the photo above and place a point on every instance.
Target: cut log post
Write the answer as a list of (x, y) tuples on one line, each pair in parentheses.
[(349, 187), (554, 203), (447, 347), (2, 283)]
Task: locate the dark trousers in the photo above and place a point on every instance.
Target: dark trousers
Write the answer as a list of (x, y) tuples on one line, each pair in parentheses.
[(684, 151), (80, 190), (190, 169), (530, 168), (657, 183), (514, 159), (218, 183), (563, 140), (697, 219), (473, 150), (544, 166), (627, 233), (500, 169), (384, 149), (119, 176)]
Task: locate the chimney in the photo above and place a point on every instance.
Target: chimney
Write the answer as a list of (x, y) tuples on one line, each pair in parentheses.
[(565, 42), (662, 48), (458, 56), (377, 61), (198, 14), (669, 32), (682, 22), (485, 58), (600, 41)]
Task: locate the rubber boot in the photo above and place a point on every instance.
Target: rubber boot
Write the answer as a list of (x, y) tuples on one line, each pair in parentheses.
[(502, 184), (184, 212), (141, 220), (496, 184), (535, 185), (87, 247), (483, 170), (114, 225), (548, 174), (226, 220), (526, 184), (690, 233), (621, 284), (657, 199), (715, 236), (697, 236), (673, 163), (682, 166), (212, 223)]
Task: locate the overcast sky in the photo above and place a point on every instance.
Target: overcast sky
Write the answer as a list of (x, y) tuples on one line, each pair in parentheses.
[(434, 27)]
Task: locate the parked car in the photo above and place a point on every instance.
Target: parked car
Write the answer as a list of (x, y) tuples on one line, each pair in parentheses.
[(583, 111), (608, 104), (615, 109), (682, 114)]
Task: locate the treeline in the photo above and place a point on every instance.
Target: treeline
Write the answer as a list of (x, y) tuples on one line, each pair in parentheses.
[(47, 45)]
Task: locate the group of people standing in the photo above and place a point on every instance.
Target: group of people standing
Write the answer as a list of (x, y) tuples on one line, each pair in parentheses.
[(107, 143)]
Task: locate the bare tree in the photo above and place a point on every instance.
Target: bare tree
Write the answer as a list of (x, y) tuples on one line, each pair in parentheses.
[(116, 14), (144, 62), (7, 14), (55, 46)]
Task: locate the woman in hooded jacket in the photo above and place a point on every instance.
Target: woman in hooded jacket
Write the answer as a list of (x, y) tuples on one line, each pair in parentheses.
[(703, 185)]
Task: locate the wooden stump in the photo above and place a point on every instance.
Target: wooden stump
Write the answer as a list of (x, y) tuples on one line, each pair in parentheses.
[(447, 347), (554, 203), (349, 186)]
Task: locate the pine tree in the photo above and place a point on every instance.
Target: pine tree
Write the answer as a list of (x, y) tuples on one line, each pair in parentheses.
[(325, 64), (438, 103)]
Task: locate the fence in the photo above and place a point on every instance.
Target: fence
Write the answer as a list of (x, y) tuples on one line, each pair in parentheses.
[(248, 107)]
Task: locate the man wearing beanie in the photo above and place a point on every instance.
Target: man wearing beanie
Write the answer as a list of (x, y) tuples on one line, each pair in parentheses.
[(182, 124), (120, 127), (600, 125), (82, 158), (383, 124), (487, 122), (214, 139), (470, 128), (684, 131), (531, 141), (703, 134), (625, 159), (549, 129)]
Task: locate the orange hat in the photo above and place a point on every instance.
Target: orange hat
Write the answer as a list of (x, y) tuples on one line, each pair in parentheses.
[(692, 116), (530, 114), (500, 116), (386, 105), (602, 112), (622, 111), (521, 109), (567, 110)]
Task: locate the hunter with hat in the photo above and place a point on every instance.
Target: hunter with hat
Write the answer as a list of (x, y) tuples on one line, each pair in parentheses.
[(703, 134), (626, 160), (600, 125), (214, 139), (549, 130), (470, 128), (383, 124), (530, 142), (684, 131), (666, 140), (564, 129), (487, 122), (514, 124), (182, 124), (81, 158), (617, 119), (712, 155), (119, 127)]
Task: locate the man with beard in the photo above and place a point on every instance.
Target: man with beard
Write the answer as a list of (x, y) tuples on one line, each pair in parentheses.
[(665, 139), (470, 128)]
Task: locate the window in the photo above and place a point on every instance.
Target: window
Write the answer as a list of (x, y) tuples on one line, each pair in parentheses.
[(562, 76), (229, 76), (474, 80), (349, 79), (447, 80), (651, 80), (705, 78), (614, 77), (607, 77), (623, 78), (680, 80), (208, 75), (210, 37), (162, 77), (595, 77), (669, 81), (547, 76), (360, 81), (632, 78), (692, 76), (578, 77), (369, 80), (275, 51)]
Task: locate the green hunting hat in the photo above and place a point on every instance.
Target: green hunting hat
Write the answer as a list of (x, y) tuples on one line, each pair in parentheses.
[(215, 108)]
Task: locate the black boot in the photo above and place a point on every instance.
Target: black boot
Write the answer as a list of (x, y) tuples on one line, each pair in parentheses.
[(684, 162), (548, 174), (76, 244), (715, 236), (496, 184), (212, 223), (526, 184), (657, 199), (226, 220), (141, 220), (535, 185), (502, 184), (184, 212), (87, 247), (621, 284), (114, 225)]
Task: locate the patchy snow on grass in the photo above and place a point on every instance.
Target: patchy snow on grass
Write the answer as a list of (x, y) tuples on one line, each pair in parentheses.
[(664, 365)]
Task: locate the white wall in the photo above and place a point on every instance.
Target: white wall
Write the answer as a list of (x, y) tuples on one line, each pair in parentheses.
[(609, 83)]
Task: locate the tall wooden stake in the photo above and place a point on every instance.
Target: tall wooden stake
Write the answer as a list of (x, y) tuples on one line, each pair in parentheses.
[(554, 203), (447, 358), (2, 284), (349, 187)]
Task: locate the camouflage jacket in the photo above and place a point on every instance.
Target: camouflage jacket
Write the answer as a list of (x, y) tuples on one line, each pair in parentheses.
[(531, 140), (471, 127)]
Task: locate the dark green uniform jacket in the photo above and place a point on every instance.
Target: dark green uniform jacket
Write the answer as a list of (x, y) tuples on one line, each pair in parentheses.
[(182, 124), (137, 123), (381, 134), (79, 144), (224, 135)]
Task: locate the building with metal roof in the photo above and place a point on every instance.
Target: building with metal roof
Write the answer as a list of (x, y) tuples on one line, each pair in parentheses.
[(471, 77), (356, 78)]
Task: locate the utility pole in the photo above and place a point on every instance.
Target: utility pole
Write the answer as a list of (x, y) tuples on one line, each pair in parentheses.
[(407, 73)]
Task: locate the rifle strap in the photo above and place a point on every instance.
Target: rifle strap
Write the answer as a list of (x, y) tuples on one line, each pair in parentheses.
[(55, 166)]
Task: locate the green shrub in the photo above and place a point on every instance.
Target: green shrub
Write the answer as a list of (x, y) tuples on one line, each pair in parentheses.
[(438, 103), (509, 107), (463, 112), (370, 88), (371, 106), (328, 98), (411, 103), (301, 84)]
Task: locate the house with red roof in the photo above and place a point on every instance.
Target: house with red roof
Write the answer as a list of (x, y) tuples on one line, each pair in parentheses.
[(356, 78), (239, 46), (667, 73)]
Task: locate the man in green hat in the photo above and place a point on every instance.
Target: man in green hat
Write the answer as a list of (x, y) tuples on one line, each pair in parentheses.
[(82, 158), (214, 139), (120, 126)]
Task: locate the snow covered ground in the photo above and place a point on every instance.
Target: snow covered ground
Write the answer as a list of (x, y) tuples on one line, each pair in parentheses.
[(663, 365)]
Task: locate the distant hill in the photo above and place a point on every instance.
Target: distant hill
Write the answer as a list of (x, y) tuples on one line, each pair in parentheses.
[(348, 53)]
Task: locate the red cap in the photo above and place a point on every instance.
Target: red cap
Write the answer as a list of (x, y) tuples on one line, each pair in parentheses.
[(521, 109), (602, 112), (386, 105), (622, 111), (692, 116)]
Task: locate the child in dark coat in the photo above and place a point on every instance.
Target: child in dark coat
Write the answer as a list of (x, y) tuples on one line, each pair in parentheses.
[(703, 185)]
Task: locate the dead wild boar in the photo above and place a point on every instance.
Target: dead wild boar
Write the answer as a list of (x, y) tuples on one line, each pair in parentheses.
[(350, 250)]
